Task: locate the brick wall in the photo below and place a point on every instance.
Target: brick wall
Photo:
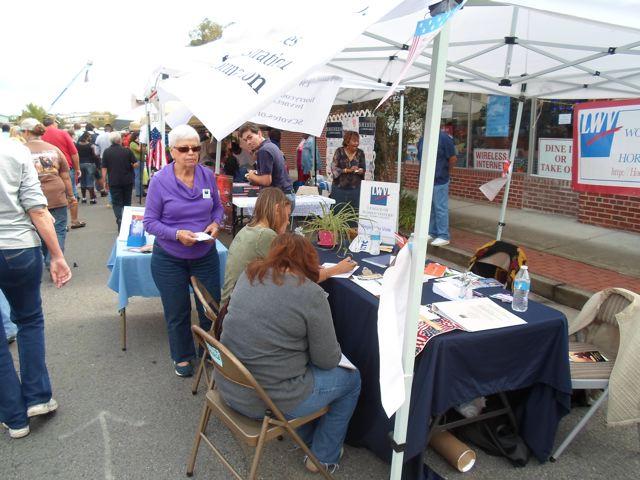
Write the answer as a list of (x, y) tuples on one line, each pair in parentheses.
[(550, 195), (465, 183), (612, 211)]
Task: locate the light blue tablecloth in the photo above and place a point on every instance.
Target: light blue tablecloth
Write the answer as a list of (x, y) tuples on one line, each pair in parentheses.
[(131, 272)]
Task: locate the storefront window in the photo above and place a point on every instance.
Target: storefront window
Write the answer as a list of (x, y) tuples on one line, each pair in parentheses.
[(490, 136), (553, 145)]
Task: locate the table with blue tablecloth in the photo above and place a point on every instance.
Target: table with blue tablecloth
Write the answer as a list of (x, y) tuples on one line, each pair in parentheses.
[(131, 276), (454, 368)]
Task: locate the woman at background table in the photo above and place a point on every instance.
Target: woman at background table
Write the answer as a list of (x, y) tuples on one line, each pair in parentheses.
[(270, 218), (348, 168), (54, 176), (183, 200), (23, 213), (279, 325)]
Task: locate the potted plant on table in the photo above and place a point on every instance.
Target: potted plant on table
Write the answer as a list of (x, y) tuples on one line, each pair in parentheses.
[(334, 226)]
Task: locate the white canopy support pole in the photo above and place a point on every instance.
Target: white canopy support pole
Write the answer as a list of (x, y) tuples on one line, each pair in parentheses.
[(163, 128), (218, 154), (512, 156), (419, 246), (400, 129), (533, 129)]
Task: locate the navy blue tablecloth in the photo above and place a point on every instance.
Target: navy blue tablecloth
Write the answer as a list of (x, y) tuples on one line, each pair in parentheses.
[(454, 368)]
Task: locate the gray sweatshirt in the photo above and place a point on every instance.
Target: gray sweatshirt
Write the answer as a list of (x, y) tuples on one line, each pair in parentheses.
[(20, 191), (277, 331)]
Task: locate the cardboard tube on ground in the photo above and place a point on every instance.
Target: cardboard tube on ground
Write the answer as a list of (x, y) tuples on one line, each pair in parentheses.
[(458, 454)]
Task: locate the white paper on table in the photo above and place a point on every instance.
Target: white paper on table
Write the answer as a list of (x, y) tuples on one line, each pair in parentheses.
[(203, 237), (449, 290), (478, 314), (392, 315), (340, 275), (426, 314), (346, 363), (374, 287)]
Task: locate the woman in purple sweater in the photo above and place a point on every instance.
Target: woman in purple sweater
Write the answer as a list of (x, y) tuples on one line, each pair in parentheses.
[(183, 200)]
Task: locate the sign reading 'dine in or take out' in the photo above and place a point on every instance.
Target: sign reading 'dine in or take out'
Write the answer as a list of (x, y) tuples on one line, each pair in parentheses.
[(379, 202), (490, 158), (606, 149), (554, 157)]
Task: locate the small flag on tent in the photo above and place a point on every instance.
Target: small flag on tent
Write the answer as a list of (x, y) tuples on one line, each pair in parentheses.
[(156, 157), (425, 30)]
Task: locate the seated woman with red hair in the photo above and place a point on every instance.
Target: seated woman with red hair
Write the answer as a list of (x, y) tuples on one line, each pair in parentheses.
[(279, 325)]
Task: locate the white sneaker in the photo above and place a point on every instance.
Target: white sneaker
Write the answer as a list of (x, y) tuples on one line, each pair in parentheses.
[(17, 432), (42, 408), (440, 242)]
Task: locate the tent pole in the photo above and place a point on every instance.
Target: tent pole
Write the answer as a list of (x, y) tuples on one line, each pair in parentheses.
[(400, 131), (512, 156), (218, 154), (419, 245)]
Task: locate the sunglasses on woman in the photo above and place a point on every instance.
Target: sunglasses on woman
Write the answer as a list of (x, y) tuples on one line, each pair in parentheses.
[(195, 149)]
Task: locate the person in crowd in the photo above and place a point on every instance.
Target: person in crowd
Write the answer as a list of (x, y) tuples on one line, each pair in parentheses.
[(77, 131), (64, 142), (302, 178), (5, 130), (118, 164), (134, 146), (99, 181), (270, 219), (16, 134), (271, 167), (348, 168), (275, 135), (103, 140), (182, 201), (54, 176), (88, 159), (445, 161), (230, 163), (310, 156), (24, 219), (10, 328), (279, 325)]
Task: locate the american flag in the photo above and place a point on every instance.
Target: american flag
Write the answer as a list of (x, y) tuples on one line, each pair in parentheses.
[(156, 157), (426, 30)]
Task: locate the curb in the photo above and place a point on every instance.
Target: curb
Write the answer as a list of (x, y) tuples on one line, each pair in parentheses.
[(553, 290)]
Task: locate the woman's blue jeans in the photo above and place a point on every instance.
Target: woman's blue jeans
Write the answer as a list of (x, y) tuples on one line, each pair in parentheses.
[(60, 225), (20, 276), (339, 388), (172, 277)]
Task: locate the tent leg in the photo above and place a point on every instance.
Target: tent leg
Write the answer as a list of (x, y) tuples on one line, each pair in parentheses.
[(419, 244), (218, 154), (512, 156), (400, 131)]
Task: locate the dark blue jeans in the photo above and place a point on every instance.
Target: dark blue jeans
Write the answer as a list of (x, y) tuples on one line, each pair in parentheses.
[(60, 225), (20, 276), (172, 277)]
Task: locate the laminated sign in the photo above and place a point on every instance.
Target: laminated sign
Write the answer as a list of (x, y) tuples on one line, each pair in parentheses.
[(606, 147)]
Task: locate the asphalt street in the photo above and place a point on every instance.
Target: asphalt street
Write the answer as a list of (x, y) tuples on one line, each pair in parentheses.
[(126, 415)]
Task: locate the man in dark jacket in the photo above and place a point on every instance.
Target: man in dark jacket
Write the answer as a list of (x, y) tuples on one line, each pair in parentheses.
[(117, 168)]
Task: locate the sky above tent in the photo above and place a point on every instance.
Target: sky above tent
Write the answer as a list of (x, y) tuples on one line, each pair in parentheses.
[(46, 43)]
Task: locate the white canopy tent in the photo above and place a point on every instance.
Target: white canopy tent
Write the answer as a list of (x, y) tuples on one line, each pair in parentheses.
[(495, 48)]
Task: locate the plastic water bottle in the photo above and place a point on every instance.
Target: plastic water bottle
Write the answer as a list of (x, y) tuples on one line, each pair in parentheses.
[(375, 241), (521, 286)]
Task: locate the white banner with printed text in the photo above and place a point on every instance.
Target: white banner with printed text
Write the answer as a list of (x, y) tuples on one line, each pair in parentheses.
[(379, 202)]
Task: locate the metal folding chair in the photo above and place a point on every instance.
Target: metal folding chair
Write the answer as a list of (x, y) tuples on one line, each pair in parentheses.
[(253, 433), (211, 310)]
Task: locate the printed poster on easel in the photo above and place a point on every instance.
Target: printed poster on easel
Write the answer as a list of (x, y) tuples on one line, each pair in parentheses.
[(379, 202)]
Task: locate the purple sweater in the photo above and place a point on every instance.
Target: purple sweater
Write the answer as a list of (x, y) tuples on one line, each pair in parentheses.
[(172, 206)]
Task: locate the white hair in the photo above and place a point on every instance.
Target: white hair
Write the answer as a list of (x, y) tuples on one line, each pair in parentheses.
[(114, 137), (183, 132)]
